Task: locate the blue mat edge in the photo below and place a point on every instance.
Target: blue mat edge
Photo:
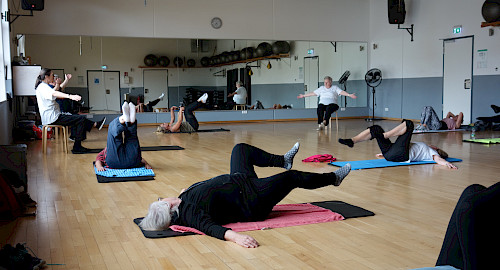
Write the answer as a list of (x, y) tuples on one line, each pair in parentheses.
[(388, 163)]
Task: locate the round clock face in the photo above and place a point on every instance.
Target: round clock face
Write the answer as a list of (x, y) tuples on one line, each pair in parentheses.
[(216, 23)]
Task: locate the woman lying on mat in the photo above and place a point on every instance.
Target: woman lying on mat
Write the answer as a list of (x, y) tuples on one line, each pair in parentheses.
[(237, 197), (122, 151), (430, 121), (191, 124), (402, 150)]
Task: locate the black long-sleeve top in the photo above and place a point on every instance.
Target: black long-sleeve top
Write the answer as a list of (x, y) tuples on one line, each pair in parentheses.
[(209, 204)]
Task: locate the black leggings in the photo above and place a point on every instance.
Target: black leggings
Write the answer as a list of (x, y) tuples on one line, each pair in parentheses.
[(472, 235), (79, 125), (325, 112), (189, 115), (271, 190), (398, 151)]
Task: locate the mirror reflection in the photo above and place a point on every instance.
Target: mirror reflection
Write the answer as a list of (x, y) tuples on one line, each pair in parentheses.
[(106, 70)]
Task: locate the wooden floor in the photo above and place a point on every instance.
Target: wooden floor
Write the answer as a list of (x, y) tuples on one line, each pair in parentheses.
[(82, 224)]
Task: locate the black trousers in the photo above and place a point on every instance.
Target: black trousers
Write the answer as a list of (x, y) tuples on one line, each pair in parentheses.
[(399, 150), (148, 107), (269, 191), (325, 112), (189, 115), (472, 236), (79, 125)]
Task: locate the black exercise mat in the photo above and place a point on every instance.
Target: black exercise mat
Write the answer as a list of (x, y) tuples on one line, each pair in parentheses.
[(345, 209), (104, 179), (143, 148), (202, 130), (160, 234)]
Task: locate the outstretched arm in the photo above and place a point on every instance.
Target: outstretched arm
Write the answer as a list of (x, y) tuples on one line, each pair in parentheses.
[(241, 239), (344, 93), (439, 160), (306, 95)]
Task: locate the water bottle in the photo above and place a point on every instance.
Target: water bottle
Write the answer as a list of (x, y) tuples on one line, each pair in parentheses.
[(473, 133)]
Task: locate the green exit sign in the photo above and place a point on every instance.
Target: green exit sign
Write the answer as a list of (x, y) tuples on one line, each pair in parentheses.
[(457, 29)]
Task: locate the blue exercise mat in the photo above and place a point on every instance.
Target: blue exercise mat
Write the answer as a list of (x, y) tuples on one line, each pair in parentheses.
[(381, 163), (123, 175)]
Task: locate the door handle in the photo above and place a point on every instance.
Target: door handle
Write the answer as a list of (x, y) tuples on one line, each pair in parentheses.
[(108, 91), (467, 84), (146, 91)]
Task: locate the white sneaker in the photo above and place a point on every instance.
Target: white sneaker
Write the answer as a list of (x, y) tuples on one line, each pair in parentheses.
[(321, 126), (203, 98), (161, 96)]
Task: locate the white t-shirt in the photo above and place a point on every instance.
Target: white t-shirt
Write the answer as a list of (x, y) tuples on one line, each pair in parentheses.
[(328, 95), (241, 96), (49, 109), (420, 151)]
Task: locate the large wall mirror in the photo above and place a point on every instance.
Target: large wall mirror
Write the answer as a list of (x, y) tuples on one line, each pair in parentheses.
[(104, 69)]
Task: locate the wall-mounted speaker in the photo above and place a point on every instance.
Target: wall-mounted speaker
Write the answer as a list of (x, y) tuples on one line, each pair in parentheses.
[(32, 4), (396, 10)]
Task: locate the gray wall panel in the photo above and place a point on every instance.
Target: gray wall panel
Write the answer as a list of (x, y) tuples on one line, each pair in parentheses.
[(485, 91), (421, 92)]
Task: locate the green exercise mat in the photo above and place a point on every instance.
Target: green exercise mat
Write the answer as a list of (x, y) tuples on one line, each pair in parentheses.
[(484, 141)]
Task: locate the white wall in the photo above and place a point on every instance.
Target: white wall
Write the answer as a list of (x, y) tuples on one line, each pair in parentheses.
[(343, 20), (433, 21)]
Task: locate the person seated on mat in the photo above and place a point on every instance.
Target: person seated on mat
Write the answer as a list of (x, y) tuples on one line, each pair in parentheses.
[(327, 105), (402, 150), (430, 121), (148, 106), (51, 113), (191, 124), (122, 149), (240, 196), (240, 95)]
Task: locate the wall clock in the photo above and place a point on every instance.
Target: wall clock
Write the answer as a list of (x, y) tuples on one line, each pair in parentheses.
[(216, 22)]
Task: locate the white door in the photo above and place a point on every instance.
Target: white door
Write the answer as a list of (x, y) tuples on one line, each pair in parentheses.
[(156, 83), (457, 77), (311, 79), (104, 90)]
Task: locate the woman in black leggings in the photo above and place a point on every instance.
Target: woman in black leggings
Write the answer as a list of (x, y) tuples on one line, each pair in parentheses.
[(237, 197), (402, 150)]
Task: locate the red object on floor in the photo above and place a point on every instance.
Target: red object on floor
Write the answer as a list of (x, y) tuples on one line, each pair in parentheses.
[(320, 158), (284, 215)]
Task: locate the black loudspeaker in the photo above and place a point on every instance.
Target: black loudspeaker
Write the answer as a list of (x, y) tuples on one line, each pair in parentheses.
[(396, 11), (32, 4)]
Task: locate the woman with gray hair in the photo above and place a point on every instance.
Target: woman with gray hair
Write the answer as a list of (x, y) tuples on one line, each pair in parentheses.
[(327, 105), (237, 197)]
